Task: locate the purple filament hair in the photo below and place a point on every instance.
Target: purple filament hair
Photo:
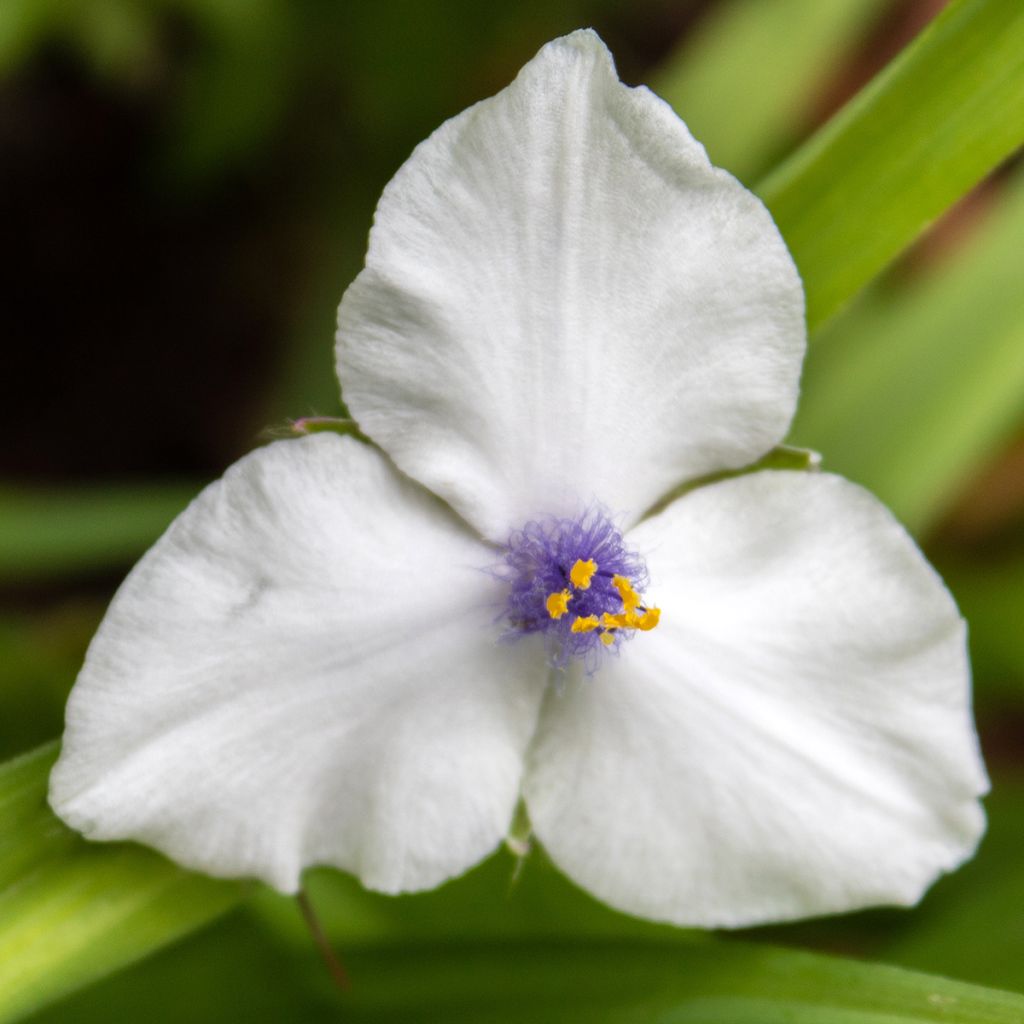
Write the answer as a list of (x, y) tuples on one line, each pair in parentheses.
[(538, 559)]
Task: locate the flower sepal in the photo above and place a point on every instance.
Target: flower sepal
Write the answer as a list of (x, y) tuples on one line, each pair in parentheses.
[(326, 424), (783, 456)]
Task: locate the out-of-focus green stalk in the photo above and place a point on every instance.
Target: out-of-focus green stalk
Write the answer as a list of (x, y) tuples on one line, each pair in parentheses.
[(746, 80), (622, 983), (916, 386), (72, 911), (943, 114), (48, 531)]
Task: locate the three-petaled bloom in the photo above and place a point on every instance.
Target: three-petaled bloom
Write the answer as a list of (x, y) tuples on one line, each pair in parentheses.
[(364, 657)]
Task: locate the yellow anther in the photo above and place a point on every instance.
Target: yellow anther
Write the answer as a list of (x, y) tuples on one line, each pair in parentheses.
[(649, 619), (630, 598), (633, 615), (557, 604), (631, 620), (582, 573)]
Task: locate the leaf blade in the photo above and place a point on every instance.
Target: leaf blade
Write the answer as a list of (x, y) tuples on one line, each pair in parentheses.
[(72, 911), (943, 114), (743, 81), (47, 531), (707, 981), (915, 386)]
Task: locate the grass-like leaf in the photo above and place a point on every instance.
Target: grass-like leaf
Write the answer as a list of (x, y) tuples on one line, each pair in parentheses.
[(990, 592), (499, 942), (545, 982), (973, 926), (44, 532), (711, 982), (941, 116), (406, 968), (745, 81), (913, 388), (72, 911)]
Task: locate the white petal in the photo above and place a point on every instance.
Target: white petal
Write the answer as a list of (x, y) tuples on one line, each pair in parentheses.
[(304, 669), (563, 301), (794, 739)]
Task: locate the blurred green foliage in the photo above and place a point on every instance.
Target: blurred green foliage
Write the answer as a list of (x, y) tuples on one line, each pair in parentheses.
[(943, 114), (73, 911), (911, 391), (747, 81), (914, 389), (40, 653), (514, 928), (47, 532)]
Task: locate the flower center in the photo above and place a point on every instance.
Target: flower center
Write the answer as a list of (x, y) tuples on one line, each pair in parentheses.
[(576, 581)]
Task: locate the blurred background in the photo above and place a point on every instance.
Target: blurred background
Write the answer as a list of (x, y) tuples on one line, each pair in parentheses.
[(185, 190)]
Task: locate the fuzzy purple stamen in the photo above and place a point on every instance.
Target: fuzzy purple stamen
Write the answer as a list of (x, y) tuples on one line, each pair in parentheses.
[(538, 559)]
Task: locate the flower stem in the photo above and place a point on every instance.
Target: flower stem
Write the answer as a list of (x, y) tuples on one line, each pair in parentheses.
[(338, 973)]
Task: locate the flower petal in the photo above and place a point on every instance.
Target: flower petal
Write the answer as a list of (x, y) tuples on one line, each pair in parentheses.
[(794, 739), (564, 301), (304, 669)]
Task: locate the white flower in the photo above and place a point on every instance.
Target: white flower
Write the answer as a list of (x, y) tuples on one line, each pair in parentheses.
[(565, 313)]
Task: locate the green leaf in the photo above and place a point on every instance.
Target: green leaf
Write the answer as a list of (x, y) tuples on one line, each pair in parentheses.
[(40, 655), (990, 593), (972, 924), (230, 972), (968, 926), (117, 37), (745, 80), (72, 911), (500, 900), (235, 86), (941, 116), (916, 386), (499, 942), (594, 980), (45, 532), (709, 981), (22, 24)]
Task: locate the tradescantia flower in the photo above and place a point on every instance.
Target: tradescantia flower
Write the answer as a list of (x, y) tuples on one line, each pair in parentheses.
[(749, 704)]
